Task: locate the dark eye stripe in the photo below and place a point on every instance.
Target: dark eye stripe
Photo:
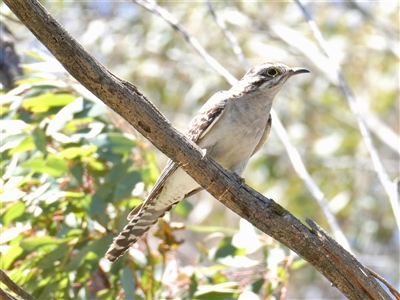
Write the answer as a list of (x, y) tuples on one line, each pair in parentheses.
[(260, 81)]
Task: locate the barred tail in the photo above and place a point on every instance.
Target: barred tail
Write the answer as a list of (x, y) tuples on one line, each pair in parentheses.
[(135, 229)]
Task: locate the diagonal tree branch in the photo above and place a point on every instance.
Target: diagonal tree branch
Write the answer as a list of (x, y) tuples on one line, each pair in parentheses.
[(132, 105)]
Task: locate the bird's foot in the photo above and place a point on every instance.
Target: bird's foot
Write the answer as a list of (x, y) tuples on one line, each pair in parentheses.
[(240, 180)]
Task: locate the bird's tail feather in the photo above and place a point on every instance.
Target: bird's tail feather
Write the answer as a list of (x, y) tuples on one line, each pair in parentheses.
[(138, 225)]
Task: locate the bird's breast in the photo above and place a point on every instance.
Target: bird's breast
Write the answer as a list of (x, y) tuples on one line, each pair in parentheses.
[(232, 140)]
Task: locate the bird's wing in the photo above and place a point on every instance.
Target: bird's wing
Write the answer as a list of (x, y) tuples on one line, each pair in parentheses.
[(198, 127), (169, 169), (207, 117), (265, 135)]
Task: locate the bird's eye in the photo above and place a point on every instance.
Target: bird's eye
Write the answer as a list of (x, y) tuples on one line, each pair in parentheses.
[(271, 72)]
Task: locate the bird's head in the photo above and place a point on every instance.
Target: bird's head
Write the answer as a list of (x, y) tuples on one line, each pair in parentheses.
[(268, 77)]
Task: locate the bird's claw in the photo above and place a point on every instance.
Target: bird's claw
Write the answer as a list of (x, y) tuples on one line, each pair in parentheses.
[(240, 180)]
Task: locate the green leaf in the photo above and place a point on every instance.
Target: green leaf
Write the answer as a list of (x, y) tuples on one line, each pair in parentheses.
[(183, 208), (211, 229), (12, 195), (77, 172), (79, 205), (75, 152), (44, 102), (99, 202), (257, 285), (13, 126), (11, 141), (126, 185), (238, 261), (99, 247), (298, 264), (92, 110), (50, 288), (53, 165), (36, 243), (25, 145), (12, 213), (107, 294), (10, 256), (113, 142), (74, 233), (56, 166), (77, 195), (118, 171), (219, 278), (34, 195), (46, 66), (225, 248), (49, 260), (193, 285), (96, 166), (223, 291), (65, 115), (39, 138), (128, 283)]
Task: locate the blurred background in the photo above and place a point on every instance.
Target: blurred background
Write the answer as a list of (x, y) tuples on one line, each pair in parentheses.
[(216, 250)]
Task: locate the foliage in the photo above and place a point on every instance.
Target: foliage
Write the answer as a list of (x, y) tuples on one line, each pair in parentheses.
[(69, 174)]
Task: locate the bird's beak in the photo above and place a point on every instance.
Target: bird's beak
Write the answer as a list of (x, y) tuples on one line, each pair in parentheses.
[(295, 71)]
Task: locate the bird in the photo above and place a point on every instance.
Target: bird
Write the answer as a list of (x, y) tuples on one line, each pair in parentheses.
[(230, 127)]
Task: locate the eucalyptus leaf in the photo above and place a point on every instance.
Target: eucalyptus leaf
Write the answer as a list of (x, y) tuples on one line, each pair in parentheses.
[(65, 115), (12, 213), (42, 103), (39, 138)]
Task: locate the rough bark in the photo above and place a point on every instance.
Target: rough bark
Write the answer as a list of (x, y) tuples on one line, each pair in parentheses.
[(13, 287), (342, 269)]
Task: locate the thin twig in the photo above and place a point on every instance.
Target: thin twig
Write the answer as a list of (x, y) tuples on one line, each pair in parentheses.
[(309, 182), (390, 31), (154, 8), (379, 169), (14, 287), (394, 292), (281, 132), (230, 37), (383, 132)]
